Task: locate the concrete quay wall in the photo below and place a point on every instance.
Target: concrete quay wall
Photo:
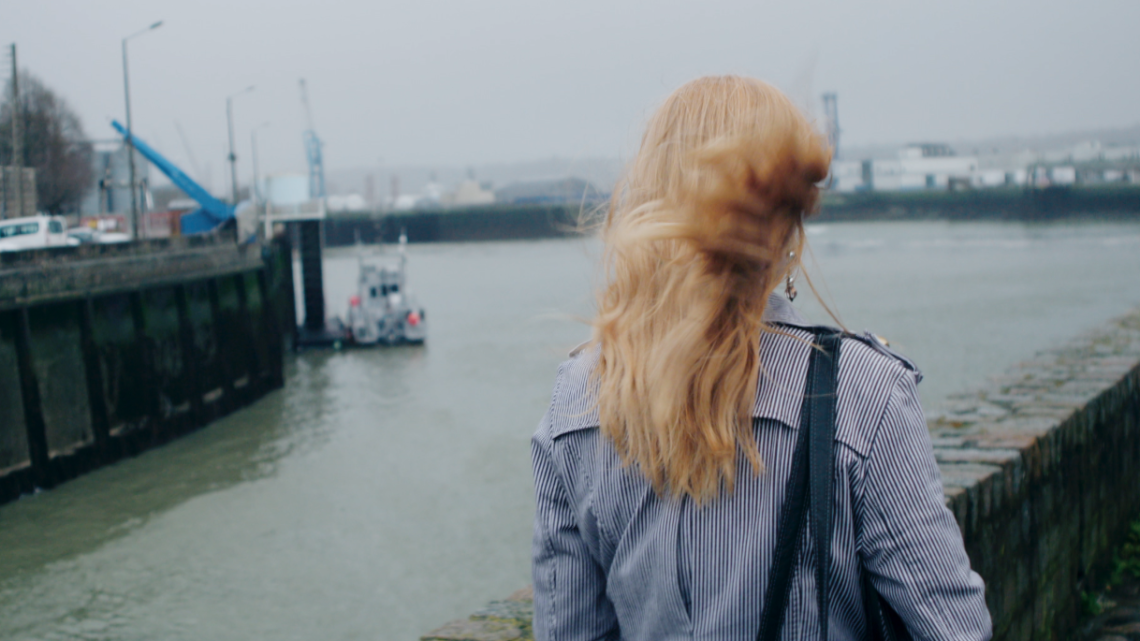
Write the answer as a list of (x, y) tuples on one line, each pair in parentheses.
[(491, 222), (65, 273), (1111, 202), (108, 351), (1041, 468)]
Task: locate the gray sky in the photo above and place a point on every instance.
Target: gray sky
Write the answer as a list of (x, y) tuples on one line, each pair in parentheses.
[(455, 82)]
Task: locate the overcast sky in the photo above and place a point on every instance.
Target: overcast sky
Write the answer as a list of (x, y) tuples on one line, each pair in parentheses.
[(457, 82)]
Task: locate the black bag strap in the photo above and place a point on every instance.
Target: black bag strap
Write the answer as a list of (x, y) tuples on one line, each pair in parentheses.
[(818, 408), (820, 467)]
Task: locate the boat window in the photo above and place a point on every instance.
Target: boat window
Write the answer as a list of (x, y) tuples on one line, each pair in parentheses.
[(372, 292), (394, 288), (19, 230), (55, 227), (384, 290)]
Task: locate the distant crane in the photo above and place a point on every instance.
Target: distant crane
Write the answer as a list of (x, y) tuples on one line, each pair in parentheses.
[(313, 150), (212, 212), (189, 153), (831, 114)]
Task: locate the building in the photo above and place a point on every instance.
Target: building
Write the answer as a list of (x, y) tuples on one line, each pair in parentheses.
[(110, 187), (559, 191), (17, 192), (468, 193), (923, 166)]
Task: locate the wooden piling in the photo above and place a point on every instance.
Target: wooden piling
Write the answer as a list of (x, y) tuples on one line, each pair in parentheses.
[(33, 406), (96, 401)]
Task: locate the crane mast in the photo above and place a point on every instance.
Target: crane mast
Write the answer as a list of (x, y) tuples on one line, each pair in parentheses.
[(312, 149)]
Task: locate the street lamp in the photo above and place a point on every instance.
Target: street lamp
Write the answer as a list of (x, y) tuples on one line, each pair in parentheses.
[(233, 156), (253, 147), (130, 139), (258, 200)]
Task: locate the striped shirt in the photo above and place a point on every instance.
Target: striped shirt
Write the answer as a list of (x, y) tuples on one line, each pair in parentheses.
[(613, 560)]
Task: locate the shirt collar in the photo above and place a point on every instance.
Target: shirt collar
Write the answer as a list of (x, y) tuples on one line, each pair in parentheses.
[(780, 310), (783, 363)]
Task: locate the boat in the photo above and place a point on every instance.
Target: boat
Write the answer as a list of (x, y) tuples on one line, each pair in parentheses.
[(384, 311)]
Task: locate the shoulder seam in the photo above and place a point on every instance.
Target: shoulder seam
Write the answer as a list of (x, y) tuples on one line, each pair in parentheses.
[(883, 413)]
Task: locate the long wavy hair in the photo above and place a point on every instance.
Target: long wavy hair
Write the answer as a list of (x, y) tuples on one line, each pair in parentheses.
[(699, 232)]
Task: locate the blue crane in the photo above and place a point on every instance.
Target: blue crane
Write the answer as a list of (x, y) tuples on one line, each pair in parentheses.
[(212, 212), (313, 150)]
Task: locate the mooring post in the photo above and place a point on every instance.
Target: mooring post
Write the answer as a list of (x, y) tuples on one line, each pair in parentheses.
[(33, 405), (96, 401), (284, 286), (312, 275)]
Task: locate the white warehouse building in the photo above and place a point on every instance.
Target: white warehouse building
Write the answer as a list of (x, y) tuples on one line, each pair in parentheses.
[(924, 166), (918, 166)]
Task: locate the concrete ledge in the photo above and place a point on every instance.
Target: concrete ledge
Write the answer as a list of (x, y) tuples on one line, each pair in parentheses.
[(1042, 471), (37, 277), (1041, 468)]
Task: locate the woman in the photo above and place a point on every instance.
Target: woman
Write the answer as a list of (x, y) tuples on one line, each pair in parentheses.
[(661, 464)]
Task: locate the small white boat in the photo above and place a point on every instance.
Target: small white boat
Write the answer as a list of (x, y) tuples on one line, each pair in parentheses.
[(383, 311)]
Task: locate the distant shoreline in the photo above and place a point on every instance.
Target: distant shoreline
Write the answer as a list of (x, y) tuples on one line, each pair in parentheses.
[(521, 222)]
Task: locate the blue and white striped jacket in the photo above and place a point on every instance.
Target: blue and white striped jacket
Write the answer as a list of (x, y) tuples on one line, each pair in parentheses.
[(613, 560)]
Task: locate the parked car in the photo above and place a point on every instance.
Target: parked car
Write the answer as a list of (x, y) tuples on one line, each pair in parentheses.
[(89, 236), (34, 232)]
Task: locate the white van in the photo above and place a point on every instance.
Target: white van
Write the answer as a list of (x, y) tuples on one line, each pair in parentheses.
[(34, 232)]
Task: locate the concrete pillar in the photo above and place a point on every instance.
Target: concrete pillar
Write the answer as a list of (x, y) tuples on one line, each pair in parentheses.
[(190, 364), (312, 275), (272, 329), (248, 328), (149, 389), (224, 363), (33, 407), (96, 400)]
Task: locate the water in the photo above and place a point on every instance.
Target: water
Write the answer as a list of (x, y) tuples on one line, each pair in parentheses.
[(384, 492)]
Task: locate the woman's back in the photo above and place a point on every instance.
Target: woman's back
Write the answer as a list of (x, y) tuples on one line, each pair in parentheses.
[(661, 465), (612, 554)]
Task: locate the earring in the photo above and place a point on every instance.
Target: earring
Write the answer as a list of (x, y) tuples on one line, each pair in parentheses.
[(789, 287)]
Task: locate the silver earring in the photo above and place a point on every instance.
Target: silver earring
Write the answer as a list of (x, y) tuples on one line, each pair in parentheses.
[(789, 287)]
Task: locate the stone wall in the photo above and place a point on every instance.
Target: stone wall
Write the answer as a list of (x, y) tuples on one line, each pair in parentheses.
[(1042, 471), (1041, 468), (106, 351)]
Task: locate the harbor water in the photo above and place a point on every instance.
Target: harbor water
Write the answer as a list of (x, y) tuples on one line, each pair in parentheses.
[(384, 492)]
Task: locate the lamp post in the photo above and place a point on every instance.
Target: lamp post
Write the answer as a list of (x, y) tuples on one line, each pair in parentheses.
[(253, 148), (233, 156), (130, 139), (257, 197)]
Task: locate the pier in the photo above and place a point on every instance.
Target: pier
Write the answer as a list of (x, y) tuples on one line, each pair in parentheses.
[(108, 350)]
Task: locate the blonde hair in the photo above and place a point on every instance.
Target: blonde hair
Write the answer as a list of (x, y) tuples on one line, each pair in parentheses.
[(698, 235)]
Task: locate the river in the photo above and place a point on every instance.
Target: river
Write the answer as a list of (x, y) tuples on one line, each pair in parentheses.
[(384, 492)]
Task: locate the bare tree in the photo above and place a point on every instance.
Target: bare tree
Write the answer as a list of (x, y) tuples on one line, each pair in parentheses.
[(53, 143)]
